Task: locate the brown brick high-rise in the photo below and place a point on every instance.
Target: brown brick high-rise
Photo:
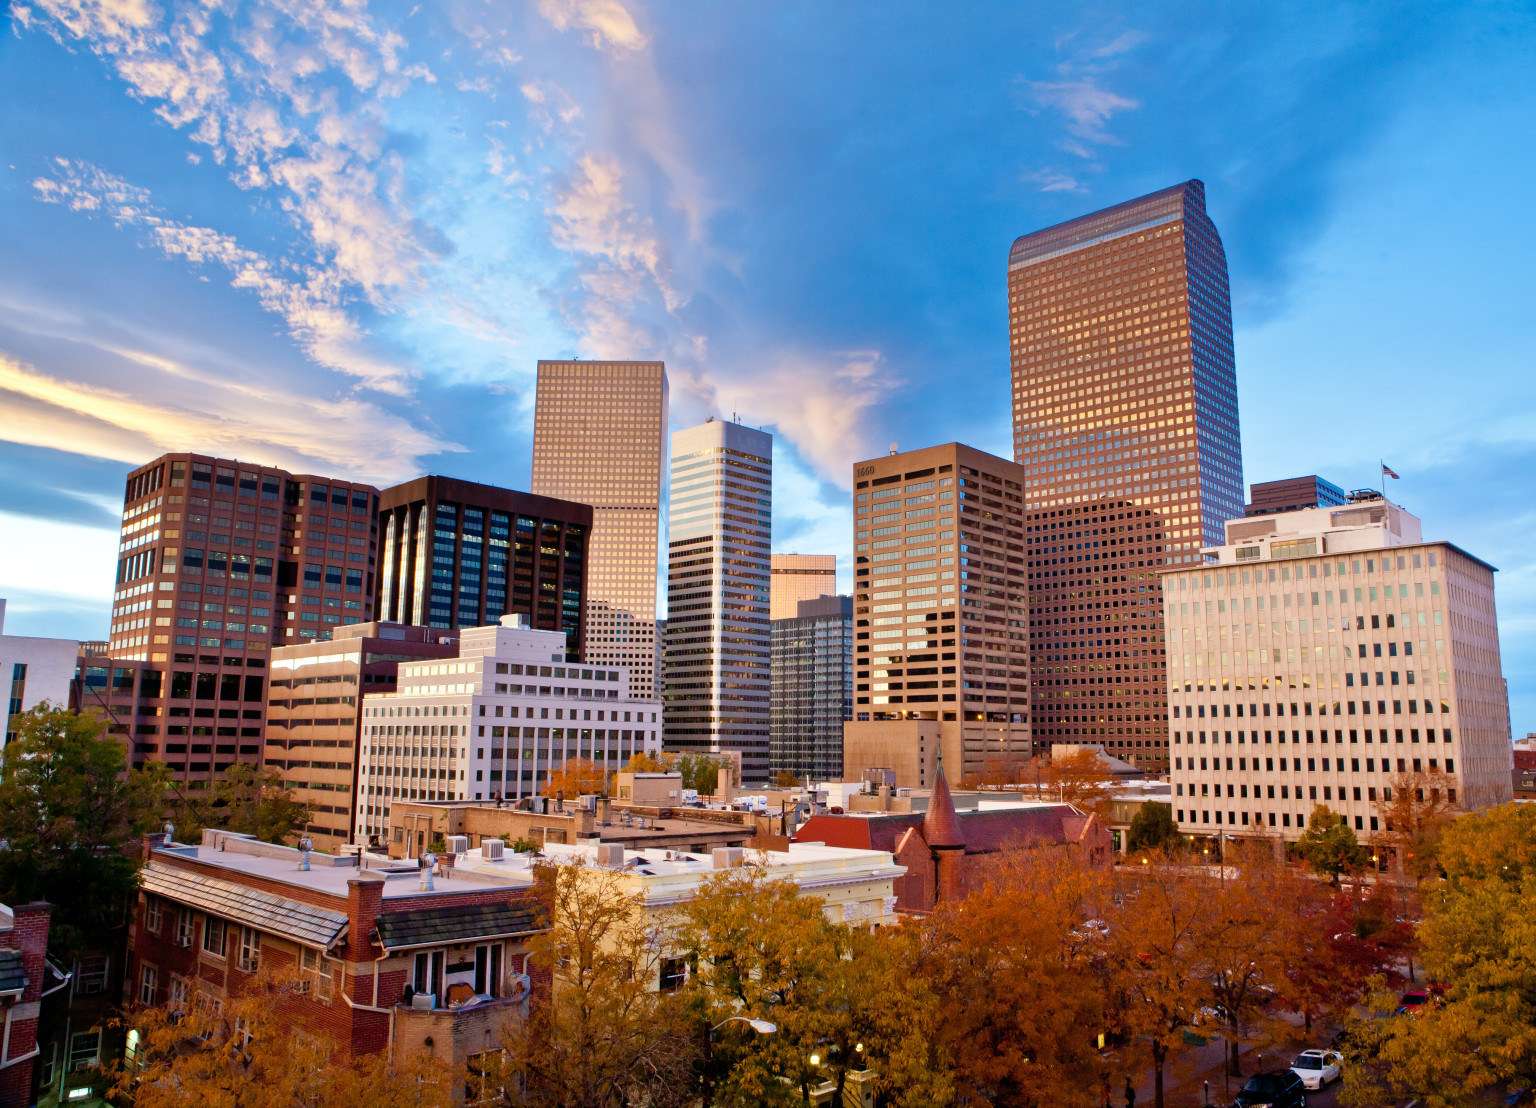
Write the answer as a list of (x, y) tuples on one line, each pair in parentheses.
[(1125, 416)]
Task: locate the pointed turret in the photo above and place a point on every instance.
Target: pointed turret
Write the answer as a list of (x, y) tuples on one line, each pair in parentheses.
[(941, 827)]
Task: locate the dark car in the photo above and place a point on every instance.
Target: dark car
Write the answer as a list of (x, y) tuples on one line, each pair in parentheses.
[(1272, 1090)]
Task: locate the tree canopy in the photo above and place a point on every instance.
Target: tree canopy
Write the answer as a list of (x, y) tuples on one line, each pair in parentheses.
[(1152, 828), (1329, 845)]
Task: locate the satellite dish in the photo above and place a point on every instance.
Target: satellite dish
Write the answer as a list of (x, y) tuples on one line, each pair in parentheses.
[(893, 449)]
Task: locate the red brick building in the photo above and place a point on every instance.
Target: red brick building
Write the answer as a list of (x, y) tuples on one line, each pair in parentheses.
[(391, 957), (23, 949), (946, 852)]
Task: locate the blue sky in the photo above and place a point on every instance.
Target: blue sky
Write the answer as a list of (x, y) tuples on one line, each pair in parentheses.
[(338, 237)]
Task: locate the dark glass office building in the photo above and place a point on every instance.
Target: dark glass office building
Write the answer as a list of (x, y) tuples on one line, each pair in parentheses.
[(461, 554), (811, 677), (1125, 416)]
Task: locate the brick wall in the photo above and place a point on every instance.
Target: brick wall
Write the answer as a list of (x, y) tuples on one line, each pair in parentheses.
[(30, 936)]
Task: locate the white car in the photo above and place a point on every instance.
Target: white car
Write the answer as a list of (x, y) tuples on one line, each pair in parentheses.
[(1317, 1068)]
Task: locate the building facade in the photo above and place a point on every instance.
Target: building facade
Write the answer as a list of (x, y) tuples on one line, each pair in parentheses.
[(480, 729), (388, 958), (599, 438), (940, 600), (1125, 416), (797, 577), (461, 554), (35, 670), (1321, 656), (1291, 493), (812, 688), (23, 978), (219, 561), (716, 683), (314, 713)]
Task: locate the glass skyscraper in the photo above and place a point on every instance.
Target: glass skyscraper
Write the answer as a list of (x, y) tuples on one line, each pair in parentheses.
[(1125, 417), (716, 662), (599, 437), (812, 688)]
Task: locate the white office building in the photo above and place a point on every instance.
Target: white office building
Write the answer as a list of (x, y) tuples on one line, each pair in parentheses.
[(33, 670), (716, 664), (1319, 655), (494, 722)]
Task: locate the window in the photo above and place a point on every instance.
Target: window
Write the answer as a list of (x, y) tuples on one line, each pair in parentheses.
[(213, 936), (178, 995), (184, 927), (674, 971), (147, 978), (84, 1049), (91, 975), (250, 949), (154, 914)]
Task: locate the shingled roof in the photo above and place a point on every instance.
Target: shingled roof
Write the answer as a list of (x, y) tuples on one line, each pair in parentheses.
[(457, 924), (940, 828), (13, 975), (980, 832)]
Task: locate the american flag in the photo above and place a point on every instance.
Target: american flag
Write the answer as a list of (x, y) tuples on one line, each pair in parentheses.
[(1386, 471)]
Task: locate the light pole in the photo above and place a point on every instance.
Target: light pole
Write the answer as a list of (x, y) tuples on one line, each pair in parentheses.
[(762, 1027)]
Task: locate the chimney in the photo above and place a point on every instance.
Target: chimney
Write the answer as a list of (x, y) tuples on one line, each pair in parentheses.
[(365, 900), (424, 865)]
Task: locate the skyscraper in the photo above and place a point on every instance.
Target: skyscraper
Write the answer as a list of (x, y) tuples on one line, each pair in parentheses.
[(940, 604), (1125, 417), (798, 577), (812, 687), (716, 666), (461, 554), (220, 560), (599, 438)]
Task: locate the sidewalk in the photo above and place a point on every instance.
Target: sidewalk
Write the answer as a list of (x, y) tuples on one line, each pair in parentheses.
[(1184, 1077)]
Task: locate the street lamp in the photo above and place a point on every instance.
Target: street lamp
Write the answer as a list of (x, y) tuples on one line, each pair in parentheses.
[(762, 1027)]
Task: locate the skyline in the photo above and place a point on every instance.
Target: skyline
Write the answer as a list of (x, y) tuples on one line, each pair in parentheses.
[(414, 219)]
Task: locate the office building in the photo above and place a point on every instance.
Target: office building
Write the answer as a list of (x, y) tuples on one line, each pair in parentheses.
[(35, 671), (218, 562), (940, 603), (812, 688), (1125, 417), (461, 554), (797, 577), (317, 694), (599, 438), (716, 664), (484, 726), (1328, 656), (1291, 494)]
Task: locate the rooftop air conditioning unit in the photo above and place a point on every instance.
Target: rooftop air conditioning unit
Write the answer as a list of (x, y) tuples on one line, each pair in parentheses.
[(494, 850), (457, 844)]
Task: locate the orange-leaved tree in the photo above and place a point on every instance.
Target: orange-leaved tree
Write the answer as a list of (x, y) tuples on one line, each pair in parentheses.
[(577, 777)]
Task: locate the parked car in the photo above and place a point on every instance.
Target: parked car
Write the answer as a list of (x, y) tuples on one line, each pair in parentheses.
[(1317, 1068), (1272, 1090)]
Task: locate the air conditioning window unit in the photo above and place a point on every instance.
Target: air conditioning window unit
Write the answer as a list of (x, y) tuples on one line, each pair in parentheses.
[(494, 850)]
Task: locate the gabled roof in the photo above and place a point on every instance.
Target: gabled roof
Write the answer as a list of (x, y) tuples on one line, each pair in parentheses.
[(277, 915), (13, 975), (457, 924)]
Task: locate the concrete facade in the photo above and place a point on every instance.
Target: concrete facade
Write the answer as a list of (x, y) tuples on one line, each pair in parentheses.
[(1321, 653), (33, 671)]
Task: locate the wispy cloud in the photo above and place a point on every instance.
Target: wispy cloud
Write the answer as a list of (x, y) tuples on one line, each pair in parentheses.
[(606, 24), (1079, 95)]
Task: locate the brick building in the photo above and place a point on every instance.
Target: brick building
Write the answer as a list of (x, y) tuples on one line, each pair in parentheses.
[(389, 957), (23, 953)]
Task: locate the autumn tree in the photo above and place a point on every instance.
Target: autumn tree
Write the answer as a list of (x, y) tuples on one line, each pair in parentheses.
[(251, 1050), (1158, 963), (1337, 944), (606, 1035), (248, 800), (1083, 778), (1414, 812), (1152, 828), (1329, 845), (68, 806), (785, 779), (577, 777), (1479, 936), (1017, 967), (641, 762), (840, 995), (1002, 773)]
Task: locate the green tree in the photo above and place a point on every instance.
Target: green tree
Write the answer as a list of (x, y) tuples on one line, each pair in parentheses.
[(1478, 936), (702, 771), (1152, 828), (1329, 845), (68, 808), (248, 800)]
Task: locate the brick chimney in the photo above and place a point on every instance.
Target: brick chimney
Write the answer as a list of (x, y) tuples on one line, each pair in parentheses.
[(365, 900)]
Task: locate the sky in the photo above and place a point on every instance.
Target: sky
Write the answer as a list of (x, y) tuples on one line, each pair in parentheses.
[(337, 237)]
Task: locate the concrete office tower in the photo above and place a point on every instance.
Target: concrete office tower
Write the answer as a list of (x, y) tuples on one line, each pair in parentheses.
[(319, 692), (940, 607), (461, 554), (798, 577), (716, 664), (812, 688), (599, 438), (1125, 415), (219, 561), (1324, 655), (494, 722), (34, 670), (1291, 493)]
